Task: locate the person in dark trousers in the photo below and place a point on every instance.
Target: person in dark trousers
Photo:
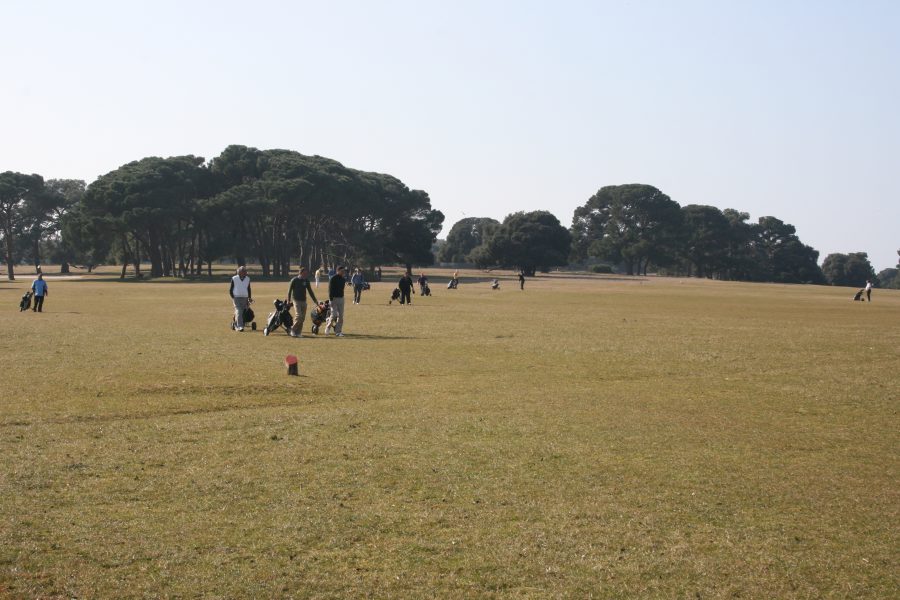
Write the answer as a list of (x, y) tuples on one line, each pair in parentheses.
[(868, 290), (406, 286), (336, 287), (241, 296), (422, 281), (521, 280), (300, 286), (359, 283), (39, 287)]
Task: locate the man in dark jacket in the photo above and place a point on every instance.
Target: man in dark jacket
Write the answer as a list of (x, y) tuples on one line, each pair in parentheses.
[(406, 286), (297, 294), (336, 287)]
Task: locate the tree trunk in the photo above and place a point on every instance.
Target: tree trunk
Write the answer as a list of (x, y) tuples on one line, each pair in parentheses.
[(137, 258), (125, 252), (36, 250), (156, 259), (64, 268), (9, 257)]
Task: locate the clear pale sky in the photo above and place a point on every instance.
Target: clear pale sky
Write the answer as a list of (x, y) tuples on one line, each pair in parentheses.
[(783, 108)]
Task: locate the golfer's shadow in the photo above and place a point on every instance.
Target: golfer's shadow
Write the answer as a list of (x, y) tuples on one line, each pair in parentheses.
[(369, 336)]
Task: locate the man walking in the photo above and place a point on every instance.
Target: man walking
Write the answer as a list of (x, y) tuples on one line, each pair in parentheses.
[(358, 282), (423, 283), (521, 280), (335, 320), (39, 287), (320, 273), (405, 284), (241, 296), (297, 294), (868, 290)]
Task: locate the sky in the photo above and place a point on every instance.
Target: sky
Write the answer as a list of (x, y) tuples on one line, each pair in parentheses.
[(785, 108)]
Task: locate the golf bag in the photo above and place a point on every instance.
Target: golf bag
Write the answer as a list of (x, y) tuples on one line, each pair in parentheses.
[(495, 284), (319, 315), (426, 290), (249, 315), (25, 304), (280, 317), (451, 285), (859, 296), (395, 295)]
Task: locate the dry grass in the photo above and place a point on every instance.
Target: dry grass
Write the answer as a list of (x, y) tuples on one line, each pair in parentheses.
[(594, 436)]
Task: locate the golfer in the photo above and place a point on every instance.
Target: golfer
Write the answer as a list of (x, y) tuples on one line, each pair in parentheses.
[(320, 273), (297, 294), (868, 290), (39, 287), (406, 286), (335, 320), (241, 296), (521, 280), (422, 281), (359, 282)]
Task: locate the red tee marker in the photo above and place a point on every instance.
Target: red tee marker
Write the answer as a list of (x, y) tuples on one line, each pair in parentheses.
[(290, 361)]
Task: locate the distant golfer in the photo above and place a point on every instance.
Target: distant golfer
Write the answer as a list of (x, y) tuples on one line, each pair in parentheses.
[(320, 273), (423, 283), (336, 287), (241, 296), (297, 294), (521, 280), (359, 283), (406, 286), (39, 287), (868, 290)]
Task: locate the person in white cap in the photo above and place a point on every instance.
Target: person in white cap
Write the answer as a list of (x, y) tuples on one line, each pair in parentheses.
[(241, 296)]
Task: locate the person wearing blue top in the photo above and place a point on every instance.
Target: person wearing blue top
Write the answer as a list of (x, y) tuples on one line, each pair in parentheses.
[(39, 287), (359, 283)]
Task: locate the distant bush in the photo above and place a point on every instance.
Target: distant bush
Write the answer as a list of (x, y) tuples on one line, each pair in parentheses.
[(602, 269)]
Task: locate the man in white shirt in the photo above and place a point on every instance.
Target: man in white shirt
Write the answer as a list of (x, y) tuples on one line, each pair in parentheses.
[(868, 290), (241, 295)]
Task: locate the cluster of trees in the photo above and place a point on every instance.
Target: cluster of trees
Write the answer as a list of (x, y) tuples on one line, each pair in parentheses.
[(278, 206), (635, 227), (638, 226), (890, 278), (182, 213), (31, 216), (529, 242)]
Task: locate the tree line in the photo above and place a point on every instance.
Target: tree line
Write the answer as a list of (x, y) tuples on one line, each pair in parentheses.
[(634, 228), (278, 207), (182, 213)]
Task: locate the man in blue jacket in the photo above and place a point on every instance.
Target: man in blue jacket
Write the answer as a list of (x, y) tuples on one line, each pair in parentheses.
[(39, 287), (359, 282)]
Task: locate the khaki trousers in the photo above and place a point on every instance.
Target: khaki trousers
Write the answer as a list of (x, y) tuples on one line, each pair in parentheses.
[(336, 316), (297, 327)]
